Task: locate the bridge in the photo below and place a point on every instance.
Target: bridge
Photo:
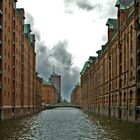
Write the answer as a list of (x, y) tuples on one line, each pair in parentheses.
[(51, 106)]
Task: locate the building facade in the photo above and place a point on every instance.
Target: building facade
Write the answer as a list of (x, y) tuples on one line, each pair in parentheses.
[(56, 80), (76, 95), (110, 81), (50, 93), (38, 92), (17, 63)]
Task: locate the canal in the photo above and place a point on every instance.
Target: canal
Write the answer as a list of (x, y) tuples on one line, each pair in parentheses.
[(67, 124)]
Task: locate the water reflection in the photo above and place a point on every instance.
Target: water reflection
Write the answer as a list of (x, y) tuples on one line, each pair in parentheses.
[(67, 124)]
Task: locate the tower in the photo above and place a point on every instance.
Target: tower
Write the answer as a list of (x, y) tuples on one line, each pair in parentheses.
[(56, 80)]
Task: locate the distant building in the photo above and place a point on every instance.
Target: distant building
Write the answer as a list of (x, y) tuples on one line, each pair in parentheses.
[(76, 95), (49, 93), (56, 80), (38, 92)]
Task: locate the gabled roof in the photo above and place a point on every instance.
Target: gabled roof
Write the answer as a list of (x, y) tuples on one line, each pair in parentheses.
[(112, 23), (87, 64), (27, 28), (32, 38), (123, 4)]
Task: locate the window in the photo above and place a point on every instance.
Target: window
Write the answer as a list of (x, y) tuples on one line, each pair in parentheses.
[(131, 96), (8, 68), (131, 76), (5, 80), (120, 57), (5, 11), (8, 55), (8, 94), (9, 15), (139, 58), (9, 42), (5, 38), (5, 52), (5, 24), (131, 62), (124, 98), (120, 69), (130, 112), (124, 79), (5, 66)]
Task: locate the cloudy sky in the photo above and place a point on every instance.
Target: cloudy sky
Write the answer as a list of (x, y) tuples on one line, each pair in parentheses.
[(68, 32)]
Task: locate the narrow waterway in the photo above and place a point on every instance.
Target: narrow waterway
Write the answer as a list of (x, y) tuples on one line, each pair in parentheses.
[(67, 124)]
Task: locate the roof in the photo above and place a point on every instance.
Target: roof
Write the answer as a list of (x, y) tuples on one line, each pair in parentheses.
[(27, 28), (112, 24), (123, 4), (88, 63), (32, 38)]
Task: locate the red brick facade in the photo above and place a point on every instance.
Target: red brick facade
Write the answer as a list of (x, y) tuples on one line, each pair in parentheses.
[(50, 93), (17, 64), (110, 82)]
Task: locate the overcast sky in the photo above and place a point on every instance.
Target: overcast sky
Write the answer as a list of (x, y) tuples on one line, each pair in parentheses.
[(68, 32)]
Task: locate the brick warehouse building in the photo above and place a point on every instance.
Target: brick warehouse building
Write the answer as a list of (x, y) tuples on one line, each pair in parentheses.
[(18, 96), (50, 93), (56, 80), (76, 95), (110, 82)]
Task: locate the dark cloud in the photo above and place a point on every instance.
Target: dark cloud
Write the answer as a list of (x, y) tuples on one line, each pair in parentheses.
[(59, 57), (85, 4), (108, 10), (82, 4)]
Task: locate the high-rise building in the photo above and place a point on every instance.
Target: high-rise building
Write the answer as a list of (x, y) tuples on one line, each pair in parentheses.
[(56, 80)]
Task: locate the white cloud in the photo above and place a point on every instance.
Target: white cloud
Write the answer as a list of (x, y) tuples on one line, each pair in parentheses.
[(83, 29), (82, 25)]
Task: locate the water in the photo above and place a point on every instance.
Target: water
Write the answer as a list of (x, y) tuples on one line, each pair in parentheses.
[(67, 124)]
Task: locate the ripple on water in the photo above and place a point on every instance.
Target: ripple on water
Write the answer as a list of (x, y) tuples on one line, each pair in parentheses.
[(65, 124)]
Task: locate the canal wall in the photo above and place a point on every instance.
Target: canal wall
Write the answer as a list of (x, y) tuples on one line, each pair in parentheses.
[(123, 113)]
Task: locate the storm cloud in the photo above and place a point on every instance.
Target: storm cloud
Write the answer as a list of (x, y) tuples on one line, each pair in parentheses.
[(103, 10), (82, 4), (59, 57)]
